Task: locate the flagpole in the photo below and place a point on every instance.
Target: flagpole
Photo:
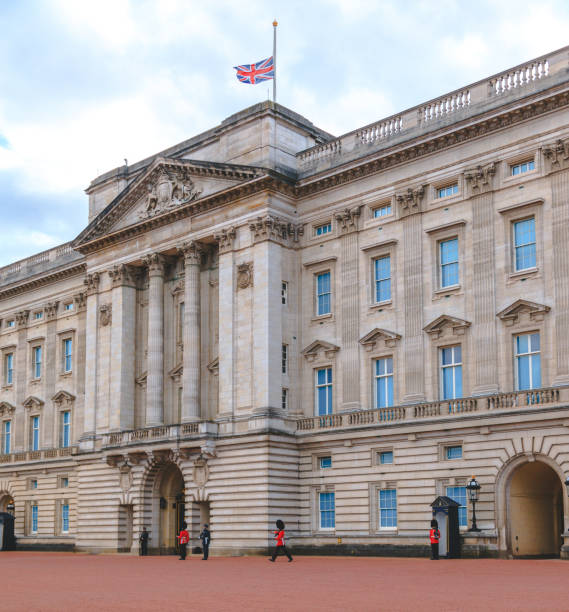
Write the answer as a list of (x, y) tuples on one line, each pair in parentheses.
[(275, 24)]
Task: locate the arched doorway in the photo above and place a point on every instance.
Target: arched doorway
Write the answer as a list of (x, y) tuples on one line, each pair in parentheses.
[(535, 511), (168, 509), (6, 503)]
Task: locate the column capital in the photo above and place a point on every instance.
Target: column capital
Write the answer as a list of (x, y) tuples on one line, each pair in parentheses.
[(410, 200), (556, 155), (50, 309), (155, 263), (225, 239), (192, 252), (122, 274), (91, 282), (480, 179), (348, 218)]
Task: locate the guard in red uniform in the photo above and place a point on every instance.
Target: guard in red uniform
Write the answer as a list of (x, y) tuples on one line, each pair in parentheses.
[(184, 538), (280, 547), (434, 536)]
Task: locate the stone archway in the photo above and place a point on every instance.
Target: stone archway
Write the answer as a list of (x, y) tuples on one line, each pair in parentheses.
[(6, 502)]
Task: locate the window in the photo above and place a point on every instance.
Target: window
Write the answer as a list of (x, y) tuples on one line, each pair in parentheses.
[(38, 315), (67, 355), (382, 277), (448, 257), (68, 306), (388, 509), (9, 368), (382, 211), (284, 399), (453, 452), (520, 168), (35, 433), (325, 462), (459, 496), (528, 361), (386, 457), (284, 293), (449, 190), (181, 314), (11, 323), (327, 510), (64, 482), (323, 229), (36, 362), (323, 294), (324, 391), (35, 514), (383, 382), (65, 429), (7, 437), (451, 372), (64, 517), (284, 359), (524, 244), (33, 484)]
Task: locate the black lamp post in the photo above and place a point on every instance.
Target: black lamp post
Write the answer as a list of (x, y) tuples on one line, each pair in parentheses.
[(473, 489), (567, 484)]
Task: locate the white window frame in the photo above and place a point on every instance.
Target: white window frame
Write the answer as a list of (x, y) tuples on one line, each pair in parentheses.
[(452, 186), (8, 368), (65, 428), (323, 229), (7, 437), (385, 452), (284, 293), (35, 432), (531, 353), (383, 377), (37, 349), (447, 448), (516, 246), (530, 161), (377, 209), (67, 360), (38, 315), (381, 526), (10, 323), (63, 506), (68, 306), (441, 266), (34, 510), (317, 295), (320, 511), (453, 366), (329, 403), (377, 280)]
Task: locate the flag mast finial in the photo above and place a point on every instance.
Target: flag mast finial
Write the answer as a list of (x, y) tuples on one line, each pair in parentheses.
[(275, 24)]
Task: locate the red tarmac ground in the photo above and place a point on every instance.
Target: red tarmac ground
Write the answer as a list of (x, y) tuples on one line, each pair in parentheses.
[(65, 581)]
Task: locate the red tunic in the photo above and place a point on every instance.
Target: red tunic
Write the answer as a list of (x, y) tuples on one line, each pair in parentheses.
[(184, 537), (434, 534), (279, 537)]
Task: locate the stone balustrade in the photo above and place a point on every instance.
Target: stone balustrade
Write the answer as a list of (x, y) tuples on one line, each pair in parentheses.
[(159, 433), (519, 76), (39, 455), (465, 406)]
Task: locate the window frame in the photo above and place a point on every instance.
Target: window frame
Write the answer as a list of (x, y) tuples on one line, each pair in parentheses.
[(34, 518), (326, 227), (442, 265), (465, 507), (317, 295), (6, 437), (447, 451), (385, 376), (515, 269), (328, 384), (379, 207), (322, 458), (284, 293), (452, 366), (380, 525), (67, 359), (62, 507), (65, 428), (529, 354), (284, 398), (35, 433), (284, 358), (519, 164), (444, 187), (8, 372), (320, 510), (386, 279), (385, 452), (37, 365)]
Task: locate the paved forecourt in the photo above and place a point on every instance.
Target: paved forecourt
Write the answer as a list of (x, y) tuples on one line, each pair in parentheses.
[(65, 581)]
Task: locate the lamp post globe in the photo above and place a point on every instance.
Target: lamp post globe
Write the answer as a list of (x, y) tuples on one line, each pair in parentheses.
[(473, 487)]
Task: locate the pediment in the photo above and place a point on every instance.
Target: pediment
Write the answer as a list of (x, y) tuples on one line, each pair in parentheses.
[(320, 346), (7, 408), (443, 323), (63, 397), (512, 313), (32, 402), (376, 335), (168, 185)]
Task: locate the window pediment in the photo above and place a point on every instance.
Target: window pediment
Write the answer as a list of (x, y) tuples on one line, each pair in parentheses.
[(370, 340), (62, 398), (314, 349), (6, 408), (443, 323), (511, 314), (33, 403)]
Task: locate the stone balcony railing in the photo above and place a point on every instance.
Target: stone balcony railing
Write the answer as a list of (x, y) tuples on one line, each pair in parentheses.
[(469, 101), (160, 433), (39, 455), (447, 409)]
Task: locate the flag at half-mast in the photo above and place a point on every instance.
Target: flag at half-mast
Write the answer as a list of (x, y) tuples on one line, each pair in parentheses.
[(256, 73)]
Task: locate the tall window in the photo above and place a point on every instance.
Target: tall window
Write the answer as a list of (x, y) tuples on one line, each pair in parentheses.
[(327, 510), (448, 257), (7, 437), (324, 391), (528, 361), (459, 496), (65, 428), (284, 398), (65, 518), (323, 294), (35, 433), (9, 368), (451, 372), (382, 277), (384, 382), (524, 244), (284, 292), (284, 358), (388, 508), (67, 354), (34, 525), (36, 362)]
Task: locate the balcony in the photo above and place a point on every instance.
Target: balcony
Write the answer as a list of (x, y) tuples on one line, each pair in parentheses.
[(449, 409), (39, 455), (161, 433)]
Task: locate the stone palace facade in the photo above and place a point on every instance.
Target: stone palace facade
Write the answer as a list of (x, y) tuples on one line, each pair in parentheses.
[(266, 321)]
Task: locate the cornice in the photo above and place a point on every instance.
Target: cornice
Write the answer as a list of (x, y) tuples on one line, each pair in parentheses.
[(39, 281)]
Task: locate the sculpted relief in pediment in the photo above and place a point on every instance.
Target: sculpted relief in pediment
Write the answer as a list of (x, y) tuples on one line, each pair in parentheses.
[(169, 191)]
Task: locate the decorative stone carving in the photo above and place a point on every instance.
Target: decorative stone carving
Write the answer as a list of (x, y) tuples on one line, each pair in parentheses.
[(295, 231), (80, 300), (22, 317), (172, 189), (480, 178), (437, 327), (50, 310), (92, 283), (269, 227), (312, 351), (410, 200), (225, 239), (155, 263), (125, 477), (511, 314), (192, 252), (200, 473), (213, 366), (105, 314), (33, 403), (348, 218), (557, 155), (63, 398), (245, 275), (176, 372), (141, 380), (370, 340), (6, 408), (122, 275)]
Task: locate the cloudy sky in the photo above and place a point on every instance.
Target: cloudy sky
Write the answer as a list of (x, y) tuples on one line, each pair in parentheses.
[(85, 84)]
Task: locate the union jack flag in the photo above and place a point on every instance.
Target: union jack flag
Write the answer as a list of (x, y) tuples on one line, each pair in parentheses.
[(256, 73)]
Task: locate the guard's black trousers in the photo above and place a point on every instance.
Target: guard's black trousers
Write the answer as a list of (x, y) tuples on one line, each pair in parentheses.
[(281, 550), (183, 551), (143, 549), (435, 551), (205, 551)]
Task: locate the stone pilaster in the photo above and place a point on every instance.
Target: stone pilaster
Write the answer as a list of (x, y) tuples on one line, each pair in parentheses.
[(557, 162), (21, 373), (121, 414), (87, 437), (50, 369), (155, 359), (350, 308), (191, 379), (479, 181), (413, 348)]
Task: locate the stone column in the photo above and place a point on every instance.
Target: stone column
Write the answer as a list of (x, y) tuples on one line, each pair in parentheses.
[(155, 358), (21, 375), (557, 163), (50, 370), (350, 308), (191, 380), (413, 347), (87, 438), (479, 181), (122, 348)]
